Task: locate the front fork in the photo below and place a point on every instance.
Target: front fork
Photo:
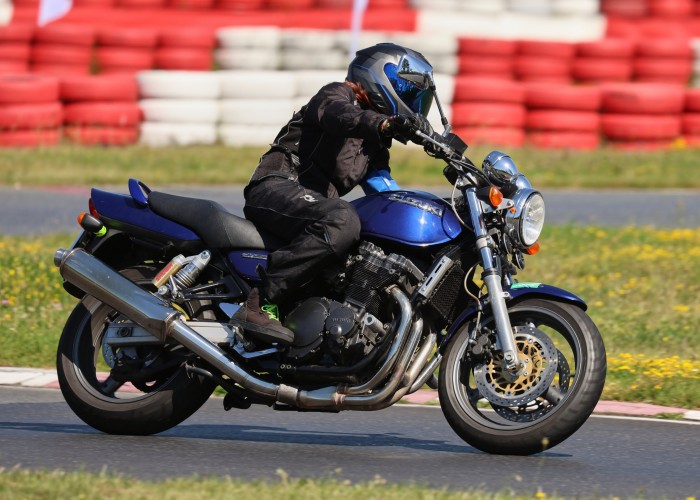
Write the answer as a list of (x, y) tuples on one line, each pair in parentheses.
[(492, 280)]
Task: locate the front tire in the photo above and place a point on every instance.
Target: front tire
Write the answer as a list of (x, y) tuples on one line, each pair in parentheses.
[(544, 422), (100, 399)]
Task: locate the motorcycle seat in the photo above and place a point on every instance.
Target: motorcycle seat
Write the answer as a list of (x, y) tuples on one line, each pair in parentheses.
[(217, 227)]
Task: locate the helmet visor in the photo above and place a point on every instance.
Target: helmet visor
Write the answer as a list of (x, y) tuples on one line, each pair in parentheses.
[(415, 92)]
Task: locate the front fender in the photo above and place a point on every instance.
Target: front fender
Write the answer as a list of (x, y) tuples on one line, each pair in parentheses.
[(518, 292)]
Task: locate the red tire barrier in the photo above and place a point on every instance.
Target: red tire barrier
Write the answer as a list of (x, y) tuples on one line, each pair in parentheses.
[(127, 37), (192, 38), (531, 68), (607, 48), (102, 136), (692, 99), (557, 96), (643, 98), (29, 138), (556, 50), (487, 47), (65, 34), (590, 70), (140, 4), (501, 136), (486, 65), (670, 8), (183, 59), (290, 4), (14, 51), (481, 114), (246, 5), (60, 54), (583, 141), (15, 33), (99, 88), (113, 114), (644, 127), (13, 67), (60, 70), (624, 8), (662, 70), (190, 4), (31, 116), (690, 124), (563, 120), (25, 88), (664, 47), (118, 58), (476, 88)]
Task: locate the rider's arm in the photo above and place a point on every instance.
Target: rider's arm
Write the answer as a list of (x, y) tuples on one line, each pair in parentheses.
[(334, 109)]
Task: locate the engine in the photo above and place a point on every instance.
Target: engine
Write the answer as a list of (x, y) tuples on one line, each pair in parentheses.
[(345, 331)]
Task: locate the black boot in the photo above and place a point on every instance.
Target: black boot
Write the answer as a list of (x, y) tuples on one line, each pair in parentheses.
[(260, 324)]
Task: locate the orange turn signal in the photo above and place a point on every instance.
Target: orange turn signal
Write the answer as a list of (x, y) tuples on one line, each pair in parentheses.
[(81, 217), (495, 196), (533, 249)]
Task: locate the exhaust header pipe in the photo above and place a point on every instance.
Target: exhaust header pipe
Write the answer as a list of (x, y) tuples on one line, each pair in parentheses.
[(108, 286)]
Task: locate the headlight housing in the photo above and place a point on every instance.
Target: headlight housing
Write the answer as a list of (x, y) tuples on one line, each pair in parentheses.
[(525, 223)]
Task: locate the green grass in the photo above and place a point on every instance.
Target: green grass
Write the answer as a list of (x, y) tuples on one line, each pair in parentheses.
[(642, 287), (86, 166), (22, 484)]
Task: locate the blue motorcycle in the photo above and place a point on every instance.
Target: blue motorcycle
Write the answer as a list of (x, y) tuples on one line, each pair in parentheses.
[(427, 297)]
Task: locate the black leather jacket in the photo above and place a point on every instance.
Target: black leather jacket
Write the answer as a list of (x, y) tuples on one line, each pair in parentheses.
[(330, 144)]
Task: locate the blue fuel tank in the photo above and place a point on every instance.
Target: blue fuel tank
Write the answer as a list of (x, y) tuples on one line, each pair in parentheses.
[(413, 218)]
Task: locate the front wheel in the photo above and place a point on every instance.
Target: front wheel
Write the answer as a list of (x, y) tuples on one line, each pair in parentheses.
[(555, 392), (93, 376)]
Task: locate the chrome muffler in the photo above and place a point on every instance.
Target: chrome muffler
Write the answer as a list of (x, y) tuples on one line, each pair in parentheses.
[(148, 311)]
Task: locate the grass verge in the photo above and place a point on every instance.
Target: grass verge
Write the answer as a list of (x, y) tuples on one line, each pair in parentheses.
[(21, 484), (86, 166), (642, 287)]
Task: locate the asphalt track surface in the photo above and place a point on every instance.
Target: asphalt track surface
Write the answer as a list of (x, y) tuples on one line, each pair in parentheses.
[(54, 209), (608, 456)]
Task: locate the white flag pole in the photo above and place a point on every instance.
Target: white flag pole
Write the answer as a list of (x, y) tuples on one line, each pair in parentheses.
[(358, 13), (50, 10)]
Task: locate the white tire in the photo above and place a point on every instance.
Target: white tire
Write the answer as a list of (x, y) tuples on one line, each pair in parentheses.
[(309, 82), (177, 134), (580, 8), (311, 40), (297, 59), (445, 85), (265, 37), (180, 110), (6, 11), (179, 84), (533, 7), (247, 135), (428, 45), (266, 112), (483, 6), (247, 59), (244, 84)]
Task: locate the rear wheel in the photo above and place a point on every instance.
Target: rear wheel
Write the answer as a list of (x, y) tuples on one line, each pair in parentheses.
[(92, 374), (557, 390)]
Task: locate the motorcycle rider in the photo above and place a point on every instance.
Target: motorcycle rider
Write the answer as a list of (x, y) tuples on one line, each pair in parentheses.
[(340, 139)]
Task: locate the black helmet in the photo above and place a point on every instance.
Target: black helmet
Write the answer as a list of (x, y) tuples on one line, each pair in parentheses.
[(377, 68)]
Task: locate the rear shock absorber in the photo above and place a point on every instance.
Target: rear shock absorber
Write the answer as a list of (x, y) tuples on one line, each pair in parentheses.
[(187, 276)]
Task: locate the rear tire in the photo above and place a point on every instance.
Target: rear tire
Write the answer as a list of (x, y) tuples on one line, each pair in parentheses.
[(99, 400)]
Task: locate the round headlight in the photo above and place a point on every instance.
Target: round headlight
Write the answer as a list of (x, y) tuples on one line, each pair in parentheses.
[(527, 221)]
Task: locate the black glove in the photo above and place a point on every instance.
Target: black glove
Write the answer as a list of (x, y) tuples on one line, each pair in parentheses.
[(404, 128)]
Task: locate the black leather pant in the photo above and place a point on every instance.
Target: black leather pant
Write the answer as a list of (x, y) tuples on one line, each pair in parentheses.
[(319, 230)]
